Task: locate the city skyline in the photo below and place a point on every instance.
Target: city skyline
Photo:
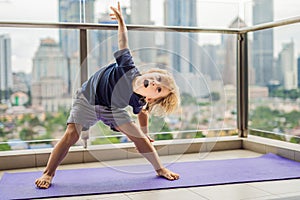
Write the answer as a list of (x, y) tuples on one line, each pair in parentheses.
[(23, 50), (184, 59)]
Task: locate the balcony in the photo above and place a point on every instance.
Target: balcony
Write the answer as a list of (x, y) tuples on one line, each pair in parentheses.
[(243, 144), (172, 151)]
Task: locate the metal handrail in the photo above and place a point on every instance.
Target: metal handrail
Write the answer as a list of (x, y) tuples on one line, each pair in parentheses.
[(269, 25), (288, 21), (273, 133), (120, 135), (115, 26)]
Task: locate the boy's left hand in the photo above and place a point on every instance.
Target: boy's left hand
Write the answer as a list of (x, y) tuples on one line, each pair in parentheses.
[(149, 138)]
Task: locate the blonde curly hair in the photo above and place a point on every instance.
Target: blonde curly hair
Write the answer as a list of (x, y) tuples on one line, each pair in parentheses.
[(164, 105)]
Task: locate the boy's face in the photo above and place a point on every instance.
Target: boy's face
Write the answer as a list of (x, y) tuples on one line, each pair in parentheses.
[(152, 86)]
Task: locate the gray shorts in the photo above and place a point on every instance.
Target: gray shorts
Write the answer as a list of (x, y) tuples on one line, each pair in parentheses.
[(87, 115)]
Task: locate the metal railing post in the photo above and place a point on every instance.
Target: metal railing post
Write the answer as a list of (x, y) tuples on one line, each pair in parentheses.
[(242, 85), (83, 55)]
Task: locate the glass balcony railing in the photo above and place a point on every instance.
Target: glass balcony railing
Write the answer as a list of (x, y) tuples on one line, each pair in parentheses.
[(234, 78), (274, 88)]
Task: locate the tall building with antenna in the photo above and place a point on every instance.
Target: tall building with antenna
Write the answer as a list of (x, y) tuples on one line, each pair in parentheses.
[(182, 13), (183, 48), (5, 68), (76, 11), (143, 42), (263, 47)]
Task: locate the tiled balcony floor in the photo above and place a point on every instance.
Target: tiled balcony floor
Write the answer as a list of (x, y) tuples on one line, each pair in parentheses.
[(287, 189)]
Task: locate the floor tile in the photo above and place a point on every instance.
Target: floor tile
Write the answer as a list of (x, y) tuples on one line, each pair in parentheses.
[(174, 194), (278, 187), (268, 197), (290, 196), (95, 197), (229, 192)]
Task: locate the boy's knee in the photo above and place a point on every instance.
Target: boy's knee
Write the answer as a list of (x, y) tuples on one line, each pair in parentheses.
[(72, 134)]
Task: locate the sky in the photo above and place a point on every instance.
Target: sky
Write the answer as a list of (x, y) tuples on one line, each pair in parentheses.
[(211, 13)]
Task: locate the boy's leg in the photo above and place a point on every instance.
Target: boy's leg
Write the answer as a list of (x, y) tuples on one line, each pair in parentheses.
[(145, 147), (59, 152)]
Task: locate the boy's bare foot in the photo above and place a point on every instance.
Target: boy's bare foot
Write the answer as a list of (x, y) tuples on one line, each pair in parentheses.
[(44, 182), (164, 172)]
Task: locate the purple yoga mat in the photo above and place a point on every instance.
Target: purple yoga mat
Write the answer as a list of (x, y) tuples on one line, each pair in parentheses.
[(105, 180)]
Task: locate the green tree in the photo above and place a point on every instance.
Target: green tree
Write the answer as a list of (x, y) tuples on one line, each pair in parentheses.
[(108, 140), (199, 134), (295, 140), (55, 121), (164, 136), (104, 130), (4, 147), (26, 134), (2, 133), (215, 96), (293, 117), (263, 118), (34, 121), (157, 124), (28, 103), (282, 93), (26, 118), (294, 94), (187, 99), (267, 135), (190, 135), (194, 120)]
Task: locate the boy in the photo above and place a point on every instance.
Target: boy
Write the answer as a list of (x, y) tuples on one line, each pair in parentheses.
[(104, 97)]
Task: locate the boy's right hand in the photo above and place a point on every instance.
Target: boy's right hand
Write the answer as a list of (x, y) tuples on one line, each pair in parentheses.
[(122, 29)]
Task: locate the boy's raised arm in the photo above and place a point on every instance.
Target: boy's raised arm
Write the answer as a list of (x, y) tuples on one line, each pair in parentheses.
[(122, 29)]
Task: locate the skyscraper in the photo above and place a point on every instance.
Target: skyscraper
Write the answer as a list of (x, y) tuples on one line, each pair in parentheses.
[(142, 41), (5, 68), (49, 61), (50, 77), (298, 70), (229, 43), (263, 49), (183, 48), (288, 67), (182, 13), (78, 11)]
